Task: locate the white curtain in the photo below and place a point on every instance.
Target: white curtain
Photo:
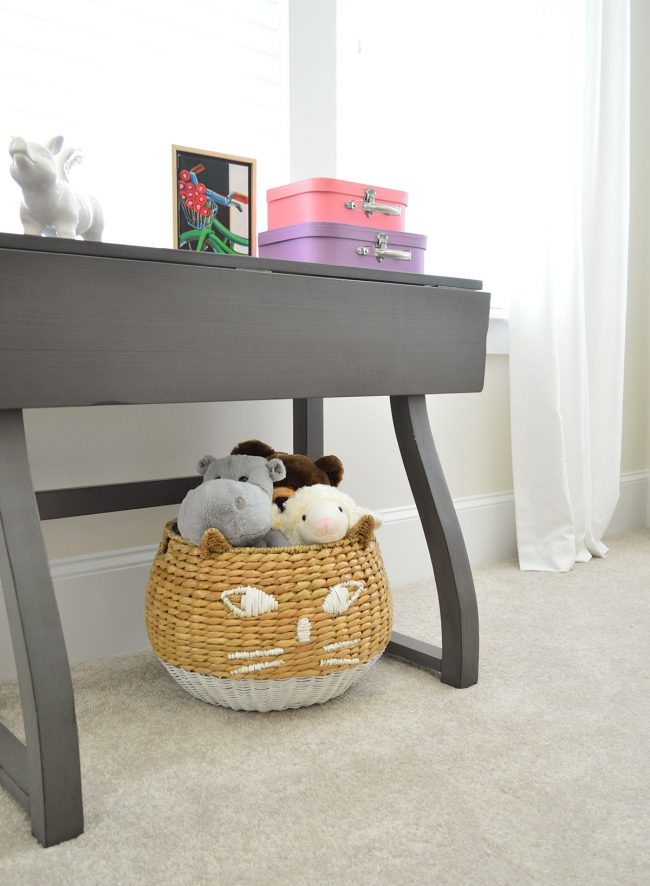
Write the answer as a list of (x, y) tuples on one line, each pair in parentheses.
[(568, 300), (508, 123)]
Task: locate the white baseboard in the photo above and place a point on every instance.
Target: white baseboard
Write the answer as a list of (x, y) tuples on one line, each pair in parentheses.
[(488, 526), (487, 523), (101, 602), (633, 508), (101, 596)]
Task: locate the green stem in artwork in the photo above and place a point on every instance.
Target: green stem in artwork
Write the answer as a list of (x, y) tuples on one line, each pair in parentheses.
[(203, 235), (218, 243)]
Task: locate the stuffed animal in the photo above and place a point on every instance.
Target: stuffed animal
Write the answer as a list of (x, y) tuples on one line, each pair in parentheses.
[(318, 514), (300, 470), (235, 497)]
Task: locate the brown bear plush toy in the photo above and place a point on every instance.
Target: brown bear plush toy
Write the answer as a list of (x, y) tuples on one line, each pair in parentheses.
[(301, 470)]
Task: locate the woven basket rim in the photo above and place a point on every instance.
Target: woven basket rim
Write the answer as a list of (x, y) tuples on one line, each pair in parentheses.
[(362, 533)]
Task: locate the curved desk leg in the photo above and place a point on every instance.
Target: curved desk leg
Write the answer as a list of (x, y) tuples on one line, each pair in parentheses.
[(308, 427), (45, 775), (454, 583)]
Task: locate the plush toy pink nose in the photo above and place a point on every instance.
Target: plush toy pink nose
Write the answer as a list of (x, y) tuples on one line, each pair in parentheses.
[(324, 522)]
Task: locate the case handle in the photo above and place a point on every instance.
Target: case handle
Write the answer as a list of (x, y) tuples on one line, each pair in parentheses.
[(381, 251), (369, 205)]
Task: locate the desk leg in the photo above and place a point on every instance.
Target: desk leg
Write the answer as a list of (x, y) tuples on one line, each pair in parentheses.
[(45, 775), (454, 583), (308, 427)]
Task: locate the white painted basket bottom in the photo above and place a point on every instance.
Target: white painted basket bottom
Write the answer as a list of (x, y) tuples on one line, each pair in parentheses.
[(267, 695)]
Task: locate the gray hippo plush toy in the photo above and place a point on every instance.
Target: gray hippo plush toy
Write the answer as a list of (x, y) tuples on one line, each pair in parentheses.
[(235, 497)]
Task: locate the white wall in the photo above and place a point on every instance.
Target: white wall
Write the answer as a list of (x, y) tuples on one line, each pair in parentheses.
[(313, 111), (637, 366), (636, 448)]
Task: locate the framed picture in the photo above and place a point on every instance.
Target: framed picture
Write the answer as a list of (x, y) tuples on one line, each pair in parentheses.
[(214, 202)]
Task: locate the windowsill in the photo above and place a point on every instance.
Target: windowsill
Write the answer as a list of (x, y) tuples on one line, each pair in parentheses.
[(497, 337)]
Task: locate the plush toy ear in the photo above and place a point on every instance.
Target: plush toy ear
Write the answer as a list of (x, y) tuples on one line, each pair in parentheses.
[(253, 447), (332, 466), (205, 463), (277, 469)]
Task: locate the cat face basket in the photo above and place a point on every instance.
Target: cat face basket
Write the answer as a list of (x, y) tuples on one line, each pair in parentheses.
[(268, 628)]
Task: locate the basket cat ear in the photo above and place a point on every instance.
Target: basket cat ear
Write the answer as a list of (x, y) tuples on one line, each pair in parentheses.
[(169, 529), (214, 542), (363, 532)]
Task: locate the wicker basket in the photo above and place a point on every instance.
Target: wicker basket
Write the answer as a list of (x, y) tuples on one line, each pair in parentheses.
[(268, 628)]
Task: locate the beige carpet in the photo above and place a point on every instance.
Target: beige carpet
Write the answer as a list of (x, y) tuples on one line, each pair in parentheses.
[(539, 774)]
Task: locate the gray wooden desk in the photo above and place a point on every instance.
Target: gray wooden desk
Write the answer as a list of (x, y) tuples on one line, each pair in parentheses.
[(86, 324)]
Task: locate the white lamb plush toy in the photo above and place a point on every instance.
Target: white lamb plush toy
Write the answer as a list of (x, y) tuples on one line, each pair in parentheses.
[(318, 514)]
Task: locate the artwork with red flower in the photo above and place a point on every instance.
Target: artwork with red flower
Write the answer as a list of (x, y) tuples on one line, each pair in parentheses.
[(214, 202)]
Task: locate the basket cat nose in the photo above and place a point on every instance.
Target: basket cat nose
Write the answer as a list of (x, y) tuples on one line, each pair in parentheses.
[(240, 504)]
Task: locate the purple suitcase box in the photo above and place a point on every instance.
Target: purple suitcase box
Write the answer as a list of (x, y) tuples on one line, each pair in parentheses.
[(333, 243)]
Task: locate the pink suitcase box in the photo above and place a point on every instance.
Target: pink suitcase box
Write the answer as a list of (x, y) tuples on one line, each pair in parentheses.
[(333, 200), (348, 245)]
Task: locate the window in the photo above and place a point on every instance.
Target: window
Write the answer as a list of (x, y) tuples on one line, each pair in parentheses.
[(125, 80), (428, 103)]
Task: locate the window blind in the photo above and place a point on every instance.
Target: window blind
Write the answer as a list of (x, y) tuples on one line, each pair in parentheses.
[(123, 81)]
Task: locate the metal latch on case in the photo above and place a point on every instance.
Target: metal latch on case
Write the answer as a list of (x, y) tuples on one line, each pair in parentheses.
[(369, 206), (380, 250)]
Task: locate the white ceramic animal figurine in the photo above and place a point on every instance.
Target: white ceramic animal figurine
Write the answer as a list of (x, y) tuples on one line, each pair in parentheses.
[(51, 206)]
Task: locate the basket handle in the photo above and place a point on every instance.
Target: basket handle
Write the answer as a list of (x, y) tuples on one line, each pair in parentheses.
[(363, 532), (214, 541)]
